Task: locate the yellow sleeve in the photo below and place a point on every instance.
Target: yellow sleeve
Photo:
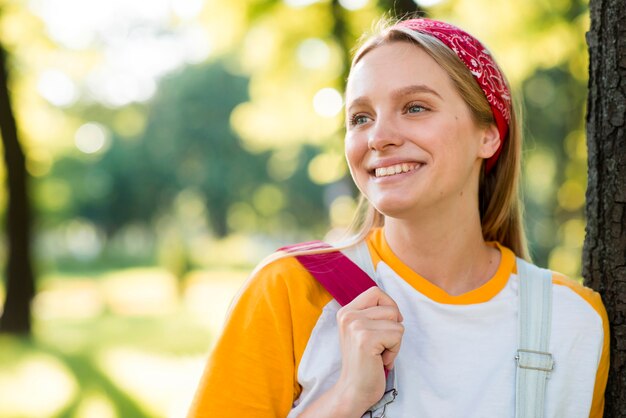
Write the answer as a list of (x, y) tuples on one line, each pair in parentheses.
[(597, 405), (252, 370), (594, 299)]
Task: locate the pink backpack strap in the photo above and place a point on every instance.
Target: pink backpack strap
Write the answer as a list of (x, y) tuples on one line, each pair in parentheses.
[(343, 279)]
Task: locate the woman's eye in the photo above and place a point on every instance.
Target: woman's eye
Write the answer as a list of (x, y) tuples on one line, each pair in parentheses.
[(358, 120), (415, 108)]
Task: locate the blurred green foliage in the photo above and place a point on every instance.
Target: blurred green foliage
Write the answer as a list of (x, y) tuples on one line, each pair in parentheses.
[(236, 145)]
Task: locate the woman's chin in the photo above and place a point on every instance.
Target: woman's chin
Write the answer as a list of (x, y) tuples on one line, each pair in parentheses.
[(396, 208)]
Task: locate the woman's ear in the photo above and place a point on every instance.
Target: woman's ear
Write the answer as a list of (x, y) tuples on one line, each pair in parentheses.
[(490, 142)]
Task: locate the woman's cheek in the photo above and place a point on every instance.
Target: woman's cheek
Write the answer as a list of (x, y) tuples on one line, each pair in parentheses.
[(352, 153), (355, 164)]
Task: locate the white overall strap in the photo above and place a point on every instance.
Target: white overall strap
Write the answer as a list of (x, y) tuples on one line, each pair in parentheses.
[(534, 362)]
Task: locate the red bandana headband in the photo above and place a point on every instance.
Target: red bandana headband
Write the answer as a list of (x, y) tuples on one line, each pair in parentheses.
[(482, 66)]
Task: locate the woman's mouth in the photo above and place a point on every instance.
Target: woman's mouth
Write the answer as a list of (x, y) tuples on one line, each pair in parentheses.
[(395, 169)]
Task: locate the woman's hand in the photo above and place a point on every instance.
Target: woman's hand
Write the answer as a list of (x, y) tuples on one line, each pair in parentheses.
[(370, 333)]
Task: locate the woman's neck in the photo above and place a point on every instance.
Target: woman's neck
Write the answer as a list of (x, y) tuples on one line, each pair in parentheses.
[(446, 249)]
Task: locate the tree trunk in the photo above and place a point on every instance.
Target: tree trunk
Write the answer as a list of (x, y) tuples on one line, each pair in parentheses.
[(604, 253), (20, 287)]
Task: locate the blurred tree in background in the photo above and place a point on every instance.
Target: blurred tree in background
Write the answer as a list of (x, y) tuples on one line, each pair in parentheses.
[(172, 144), (20, 281)]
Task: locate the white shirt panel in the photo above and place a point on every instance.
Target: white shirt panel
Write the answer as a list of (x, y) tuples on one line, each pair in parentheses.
[(457, 361)]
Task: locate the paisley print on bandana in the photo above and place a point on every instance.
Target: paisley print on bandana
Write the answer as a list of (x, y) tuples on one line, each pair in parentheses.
[(480, 63)]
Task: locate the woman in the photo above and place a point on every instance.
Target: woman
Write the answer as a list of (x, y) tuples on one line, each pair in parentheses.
[(433, 144)]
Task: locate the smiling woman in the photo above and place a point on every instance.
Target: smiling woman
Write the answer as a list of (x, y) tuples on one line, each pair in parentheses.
[(458, 322)]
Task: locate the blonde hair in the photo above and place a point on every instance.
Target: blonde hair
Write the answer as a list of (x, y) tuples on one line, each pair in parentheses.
[(499, 197)]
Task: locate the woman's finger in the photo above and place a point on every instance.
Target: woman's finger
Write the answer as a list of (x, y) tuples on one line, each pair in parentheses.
[(374, 296), (376, 336), (390, 354), (390, 313)]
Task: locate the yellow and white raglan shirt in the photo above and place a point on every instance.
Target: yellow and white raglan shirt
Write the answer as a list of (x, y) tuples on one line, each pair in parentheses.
[(280, 350)]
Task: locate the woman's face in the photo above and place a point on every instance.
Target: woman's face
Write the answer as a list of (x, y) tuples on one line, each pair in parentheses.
[(411, 143)]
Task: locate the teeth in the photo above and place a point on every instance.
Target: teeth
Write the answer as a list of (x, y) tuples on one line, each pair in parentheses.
[(395, 169)]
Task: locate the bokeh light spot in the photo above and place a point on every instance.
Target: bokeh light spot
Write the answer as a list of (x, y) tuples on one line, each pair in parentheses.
[(187, 9), (327, 102), (91, 138), (38, 386), (565, 260), (540, 91), (241, 217), (83, 239), (342, 211), (268, 199), (576, 145), (39, 162), (353, 4), (129, 122), (327, 168), (539, 173), (140, 291), (313, 53), (54, 194), (77, 299), (57, 88), (160, 384), (96, 405), (299, 3), (427, 3), (283, 164), (573, 233), (571, 195)]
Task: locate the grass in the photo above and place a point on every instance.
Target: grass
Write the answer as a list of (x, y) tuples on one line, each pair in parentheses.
[(138, 353)]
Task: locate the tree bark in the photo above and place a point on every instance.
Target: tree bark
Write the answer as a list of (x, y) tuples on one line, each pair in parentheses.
[(604, 252), (20, 286)]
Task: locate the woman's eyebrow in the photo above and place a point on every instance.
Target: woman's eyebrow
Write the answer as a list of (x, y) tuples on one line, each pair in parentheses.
[(412, 89), (359, 101)]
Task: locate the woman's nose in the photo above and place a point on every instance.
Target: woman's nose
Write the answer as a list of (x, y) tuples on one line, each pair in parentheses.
[(383, 135)]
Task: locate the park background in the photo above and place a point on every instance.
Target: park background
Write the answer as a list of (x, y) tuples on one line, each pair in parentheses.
[(172, 144)]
